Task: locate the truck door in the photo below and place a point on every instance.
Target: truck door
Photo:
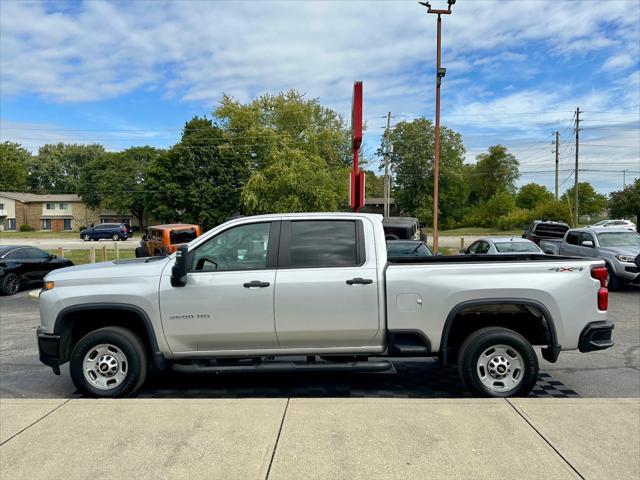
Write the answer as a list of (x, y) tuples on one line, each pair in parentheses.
[(227, 302), (571, 244), (326, 285)]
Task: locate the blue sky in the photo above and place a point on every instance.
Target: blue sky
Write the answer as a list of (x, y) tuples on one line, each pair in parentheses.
[(131, 73)]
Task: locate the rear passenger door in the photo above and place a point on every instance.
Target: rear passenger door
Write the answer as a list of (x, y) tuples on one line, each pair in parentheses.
[(326, 285)]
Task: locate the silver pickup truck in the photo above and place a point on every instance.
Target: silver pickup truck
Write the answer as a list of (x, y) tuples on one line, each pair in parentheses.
[(618, 247), (318, 292)]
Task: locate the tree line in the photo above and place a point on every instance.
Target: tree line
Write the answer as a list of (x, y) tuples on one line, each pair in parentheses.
[(287, 153)]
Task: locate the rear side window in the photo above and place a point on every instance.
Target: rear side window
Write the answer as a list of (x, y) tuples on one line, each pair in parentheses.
[(182, 236), (323, 243), (572, 238)]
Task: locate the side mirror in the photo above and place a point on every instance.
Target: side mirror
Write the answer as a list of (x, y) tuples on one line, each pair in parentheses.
[(179, 270), (439, 254), (587, 243), (462, 251), (52, 257)]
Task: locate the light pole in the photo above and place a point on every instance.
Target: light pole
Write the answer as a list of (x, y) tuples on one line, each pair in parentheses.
[(440, 73)]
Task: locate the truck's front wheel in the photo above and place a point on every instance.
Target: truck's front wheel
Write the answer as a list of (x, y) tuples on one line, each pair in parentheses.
[(498, 362), (108, 362)]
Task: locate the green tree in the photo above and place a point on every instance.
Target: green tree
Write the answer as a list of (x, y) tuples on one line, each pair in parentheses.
[(532, 194), (14, 160), (293, 182), (374, 185), (117, 181), (494, 171), (626, 203), (57, 168), (281, 136), (412, 164), (198, 180), (489, 212), (590, 202)]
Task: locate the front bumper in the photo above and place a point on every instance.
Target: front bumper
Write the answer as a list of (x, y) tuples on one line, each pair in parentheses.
[(49, 349), (596, 336)]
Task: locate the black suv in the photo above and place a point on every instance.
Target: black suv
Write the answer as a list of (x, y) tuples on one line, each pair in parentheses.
[(113, 231)]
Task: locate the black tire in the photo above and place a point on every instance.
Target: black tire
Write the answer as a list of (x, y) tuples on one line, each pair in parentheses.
[(614, 283), (86, 238), (10, 284), (138, 252), (130, 345), (481, 340), (115, 237)]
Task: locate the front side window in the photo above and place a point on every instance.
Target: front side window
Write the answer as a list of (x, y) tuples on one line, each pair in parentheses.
[(36, 253), (323, 243), (240, 248), (586, 236), (483, 247), (473, 247)]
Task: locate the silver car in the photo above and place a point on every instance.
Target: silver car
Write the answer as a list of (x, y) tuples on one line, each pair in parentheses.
[(626, 224), (502, 246)]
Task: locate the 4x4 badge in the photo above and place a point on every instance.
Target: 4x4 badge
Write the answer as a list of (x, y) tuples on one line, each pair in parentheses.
[(566, 269)]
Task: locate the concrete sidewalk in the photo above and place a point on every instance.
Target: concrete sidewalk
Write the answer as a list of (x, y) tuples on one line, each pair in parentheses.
[(319, 438)]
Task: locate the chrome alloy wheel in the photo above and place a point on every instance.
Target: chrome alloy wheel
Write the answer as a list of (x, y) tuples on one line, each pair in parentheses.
[(12, 285), (105, 366), (500, 368)]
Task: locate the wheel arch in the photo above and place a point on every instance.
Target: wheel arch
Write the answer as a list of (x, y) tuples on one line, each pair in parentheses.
[(71, 326), (447, 346)]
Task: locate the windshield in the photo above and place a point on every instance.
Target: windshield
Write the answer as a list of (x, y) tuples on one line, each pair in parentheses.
[(516, 247), (619, 239), (417, 249)]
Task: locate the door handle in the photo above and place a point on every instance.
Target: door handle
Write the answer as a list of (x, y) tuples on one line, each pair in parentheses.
[(256, 284), (359, 281)]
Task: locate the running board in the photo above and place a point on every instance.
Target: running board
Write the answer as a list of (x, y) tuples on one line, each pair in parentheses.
[(377, 366)]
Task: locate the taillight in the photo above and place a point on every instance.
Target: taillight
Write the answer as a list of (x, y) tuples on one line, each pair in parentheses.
[(601, 273)]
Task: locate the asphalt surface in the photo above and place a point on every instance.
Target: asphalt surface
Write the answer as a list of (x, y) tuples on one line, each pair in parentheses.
[(611, 373)]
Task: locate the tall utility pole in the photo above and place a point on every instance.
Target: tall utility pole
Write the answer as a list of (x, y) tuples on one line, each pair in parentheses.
[(557, 142), (387, 157), (624, 179), (440, 73), (575, 189)]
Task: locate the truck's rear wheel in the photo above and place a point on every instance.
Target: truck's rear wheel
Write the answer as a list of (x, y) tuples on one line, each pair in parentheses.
[(108, 362), (498, 362), (138, 252)]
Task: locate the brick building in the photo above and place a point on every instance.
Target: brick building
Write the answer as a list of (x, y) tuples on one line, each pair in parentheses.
[(51, 212)]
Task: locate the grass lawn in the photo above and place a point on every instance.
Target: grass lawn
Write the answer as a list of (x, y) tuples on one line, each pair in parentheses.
[(80, 257)]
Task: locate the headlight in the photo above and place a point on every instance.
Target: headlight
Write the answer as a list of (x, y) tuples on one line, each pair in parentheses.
[(626, 258)]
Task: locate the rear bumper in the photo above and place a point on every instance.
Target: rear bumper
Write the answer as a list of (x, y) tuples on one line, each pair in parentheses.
[(596, 336), (49, 349)]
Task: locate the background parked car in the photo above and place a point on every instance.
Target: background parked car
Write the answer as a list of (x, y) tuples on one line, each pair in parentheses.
[(24, 265), (165, 239), (502, 246), (616, 224), (113, 231), (544, 230), (408, 248)]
